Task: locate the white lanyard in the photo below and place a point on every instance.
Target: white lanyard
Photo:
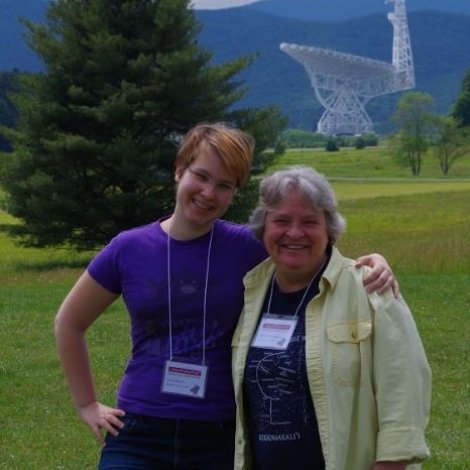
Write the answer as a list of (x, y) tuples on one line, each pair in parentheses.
[(183, 377), (204, 311), (303, 297), (275, 331)]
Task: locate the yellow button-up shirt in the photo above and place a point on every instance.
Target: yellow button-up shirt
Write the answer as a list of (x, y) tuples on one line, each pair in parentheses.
[(369, 377)]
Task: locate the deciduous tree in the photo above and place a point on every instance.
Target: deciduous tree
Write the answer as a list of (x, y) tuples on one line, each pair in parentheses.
[(415, 121), (453, 142)]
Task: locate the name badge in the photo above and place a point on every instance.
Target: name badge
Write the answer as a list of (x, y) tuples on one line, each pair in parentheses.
[(183, 378), (274, 332)]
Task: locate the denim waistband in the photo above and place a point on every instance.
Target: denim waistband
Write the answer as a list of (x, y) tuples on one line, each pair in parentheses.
[(179, 423)]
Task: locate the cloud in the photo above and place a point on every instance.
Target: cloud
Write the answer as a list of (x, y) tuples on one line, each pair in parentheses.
[(217, 4)]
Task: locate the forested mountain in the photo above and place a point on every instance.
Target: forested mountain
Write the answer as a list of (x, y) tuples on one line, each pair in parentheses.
[(440, 42), (14, 53), (340, 10)]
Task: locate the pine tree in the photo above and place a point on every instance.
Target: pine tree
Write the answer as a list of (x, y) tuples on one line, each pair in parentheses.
[(461, 108), (8, 112), (98, 130)]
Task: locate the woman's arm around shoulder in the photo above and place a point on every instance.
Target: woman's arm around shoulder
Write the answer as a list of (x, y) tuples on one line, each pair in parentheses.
[(85, 302), (381, 276)]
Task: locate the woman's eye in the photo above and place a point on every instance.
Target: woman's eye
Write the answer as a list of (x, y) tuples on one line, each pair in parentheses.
[(200, 176), (225, 187)]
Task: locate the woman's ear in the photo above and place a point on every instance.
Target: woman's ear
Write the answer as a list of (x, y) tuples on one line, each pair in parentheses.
[(178, 174)]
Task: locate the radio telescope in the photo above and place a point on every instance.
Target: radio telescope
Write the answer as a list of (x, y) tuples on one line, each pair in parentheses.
[(345, 83)]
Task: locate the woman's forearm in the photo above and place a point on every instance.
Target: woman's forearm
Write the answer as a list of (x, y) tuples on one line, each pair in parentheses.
[(73, 353), (83, 305)]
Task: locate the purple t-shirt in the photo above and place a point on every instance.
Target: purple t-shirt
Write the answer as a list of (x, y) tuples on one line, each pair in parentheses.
[(135, 265)]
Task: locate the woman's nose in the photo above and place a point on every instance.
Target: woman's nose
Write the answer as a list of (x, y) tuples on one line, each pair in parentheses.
[(294, 230), (209, 189)]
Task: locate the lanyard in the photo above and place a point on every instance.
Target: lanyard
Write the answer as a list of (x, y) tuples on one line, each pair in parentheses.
[(305, 293), (204, 310), (275, 331)]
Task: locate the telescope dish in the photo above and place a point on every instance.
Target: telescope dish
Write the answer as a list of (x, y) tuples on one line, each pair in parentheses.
[(344, 83)]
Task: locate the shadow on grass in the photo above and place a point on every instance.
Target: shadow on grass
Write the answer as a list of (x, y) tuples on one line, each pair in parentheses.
[(5, 228), (50, 265), (54, 260)]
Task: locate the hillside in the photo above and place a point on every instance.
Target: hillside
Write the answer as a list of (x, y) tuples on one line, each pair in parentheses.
[(322, 10), (440, 42), (14, 53)]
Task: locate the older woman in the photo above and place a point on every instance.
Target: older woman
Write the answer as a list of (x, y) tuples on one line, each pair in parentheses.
[(327, 376)]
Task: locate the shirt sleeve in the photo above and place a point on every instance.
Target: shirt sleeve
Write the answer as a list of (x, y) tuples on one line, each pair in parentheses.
[(104, 268), (402, 381)]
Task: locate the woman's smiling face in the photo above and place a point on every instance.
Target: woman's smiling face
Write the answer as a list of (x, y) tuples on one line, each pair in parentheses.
[(296, 238), (205, 189)]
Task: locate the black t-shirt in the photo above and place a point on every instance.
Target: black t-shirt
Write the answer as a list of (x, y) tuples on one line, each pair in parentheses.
[(282, 425)]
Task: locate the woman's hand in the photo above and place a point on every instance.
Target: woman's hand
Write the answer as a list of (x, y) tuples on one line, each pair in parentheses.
[(381, 277), (98, 416)]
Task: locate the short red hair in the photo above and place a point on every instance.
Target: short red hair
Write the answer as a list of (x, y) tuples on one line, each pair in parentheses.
[(232, 145)]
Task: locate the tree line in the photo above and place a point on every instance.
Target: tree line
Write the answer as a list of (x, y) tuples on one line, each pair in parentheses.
[(419, 131)]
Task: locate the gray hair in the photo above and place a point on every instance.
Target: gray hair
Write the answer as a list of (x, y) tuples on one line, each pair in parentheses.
[(311, 185)]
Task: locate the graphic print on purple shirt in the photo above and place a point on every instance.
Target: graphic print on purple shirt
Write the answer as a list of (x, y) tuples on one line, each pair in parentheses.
[(135, 264)]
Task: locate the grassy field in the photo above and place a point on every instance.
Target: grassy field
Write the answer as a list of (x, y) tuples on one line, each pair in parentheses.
[(371, 162), (420, 225)]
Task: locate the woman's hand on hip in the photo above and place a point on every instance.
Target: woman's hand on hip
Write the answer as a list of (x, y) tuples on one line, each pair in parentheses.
[(98, 416)]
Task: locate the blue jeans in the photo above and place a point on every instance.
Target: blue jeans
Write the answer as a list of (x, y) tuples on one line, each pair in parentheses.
[(147, 443)]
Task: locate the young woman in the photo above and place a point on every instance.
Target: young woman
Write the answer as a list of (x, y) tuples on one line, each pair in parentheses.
[(181, 280)]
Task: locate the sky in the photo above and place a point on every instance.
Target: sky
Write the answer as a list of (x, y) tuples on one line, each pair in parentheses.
[(217, 4)]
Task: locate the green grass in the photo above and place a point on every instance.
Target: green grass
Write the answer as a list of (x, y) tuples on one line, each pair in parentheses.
[(418, 233), (371, 162), (421, 227)]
